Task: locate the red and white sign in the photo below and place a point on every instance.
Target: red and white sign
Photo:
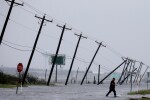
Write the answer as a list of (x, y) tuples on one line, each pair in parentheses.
[(20, 67)]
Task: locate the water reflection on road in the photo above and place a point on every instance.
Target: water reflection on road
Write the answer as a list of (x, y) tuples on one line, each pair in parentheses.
[(69, 92)]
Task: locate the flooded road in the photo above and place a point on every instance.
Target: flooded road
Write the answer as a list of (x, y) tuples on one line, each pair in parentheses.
[(69, 92)]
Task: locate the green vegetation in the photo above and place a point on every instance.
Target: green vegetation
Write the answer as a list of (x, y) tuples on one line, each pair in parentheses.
[(7, 86), (145, 99), (140, 99), (142, 92), (9, 81)]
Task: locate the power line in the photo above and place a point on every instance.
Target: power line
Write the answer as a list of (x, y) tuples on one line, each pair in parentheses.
[(33, 8), (17, 44), (69, 57), (38, 11), (26, 27), (14, 47), (114, 51)]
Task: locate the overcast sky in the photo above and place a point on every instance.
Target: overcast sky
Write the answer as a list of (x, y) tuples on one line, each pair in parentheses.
[(122, 25)]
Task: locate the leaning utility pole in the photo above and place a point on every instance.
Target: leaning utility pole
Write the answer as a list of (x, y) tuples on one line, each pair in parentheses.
[(144, 73), (112, 72), (34, 47), (100, 44), (7, 18), (63, 29), (123, 71), (138, 72), (80, 36), (131, 62)]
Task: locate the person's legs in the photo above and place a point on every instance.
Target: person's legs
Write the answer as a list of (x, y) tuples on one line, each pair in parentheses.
[(114, 92), (108, 92)]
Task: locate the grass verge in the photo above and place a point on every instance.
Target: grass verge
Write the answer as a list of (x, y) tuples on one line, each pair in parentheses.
[(142, 92), (7, 86)]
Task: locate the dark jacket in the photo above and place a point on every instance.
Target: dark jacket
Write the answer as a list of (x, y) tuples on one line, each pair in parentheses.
[(112, 85)]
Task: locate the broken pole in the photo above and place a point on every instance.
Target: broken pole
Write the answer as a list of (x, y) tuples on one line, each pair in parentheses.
[(100, 44), (112, 72), (144, 73), (123, 71)]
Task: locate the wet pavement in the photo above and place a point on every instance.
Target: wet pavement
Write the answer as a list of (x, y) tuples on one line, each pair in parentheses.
[(69, 92)]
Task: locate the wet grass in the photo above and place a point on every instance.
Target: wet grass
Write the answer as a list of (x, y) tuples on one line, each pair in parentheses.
[(142, 92), (7, 86), (140, 99)]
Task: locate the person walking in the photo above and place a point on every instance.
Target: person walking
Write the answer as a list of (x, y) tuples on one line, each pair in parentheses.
[(112, 88)]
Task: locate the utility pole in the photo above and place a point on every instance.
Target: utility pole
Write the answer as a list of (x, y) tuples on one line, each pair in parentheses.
[(63, 29), (100, 44), (133, 71), (126, 70), (131, 62), (7, 18), (122, 73), (138, 72), (112, 72), (86, 77), (80, 36), (34, 46), (144, 73), (99, 68)]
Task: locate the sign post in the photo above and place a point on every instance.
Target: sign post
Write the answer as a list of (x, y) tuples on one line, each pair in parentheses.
[(60, 60), (19, 69)]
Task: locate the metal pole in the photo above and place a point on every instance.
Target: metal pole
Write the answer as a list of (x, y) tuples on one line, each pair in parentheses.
[(77, 74), (30, 59), (111, 72), (91, 62), (45, 74), (144, 74), (139, 72), (126, 70), (129, 68), (131, 82), (133, 70), (147, 78), (56, 75), (122, 73), (73, 57), (126, 77), (50, 75), (147, 82)]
